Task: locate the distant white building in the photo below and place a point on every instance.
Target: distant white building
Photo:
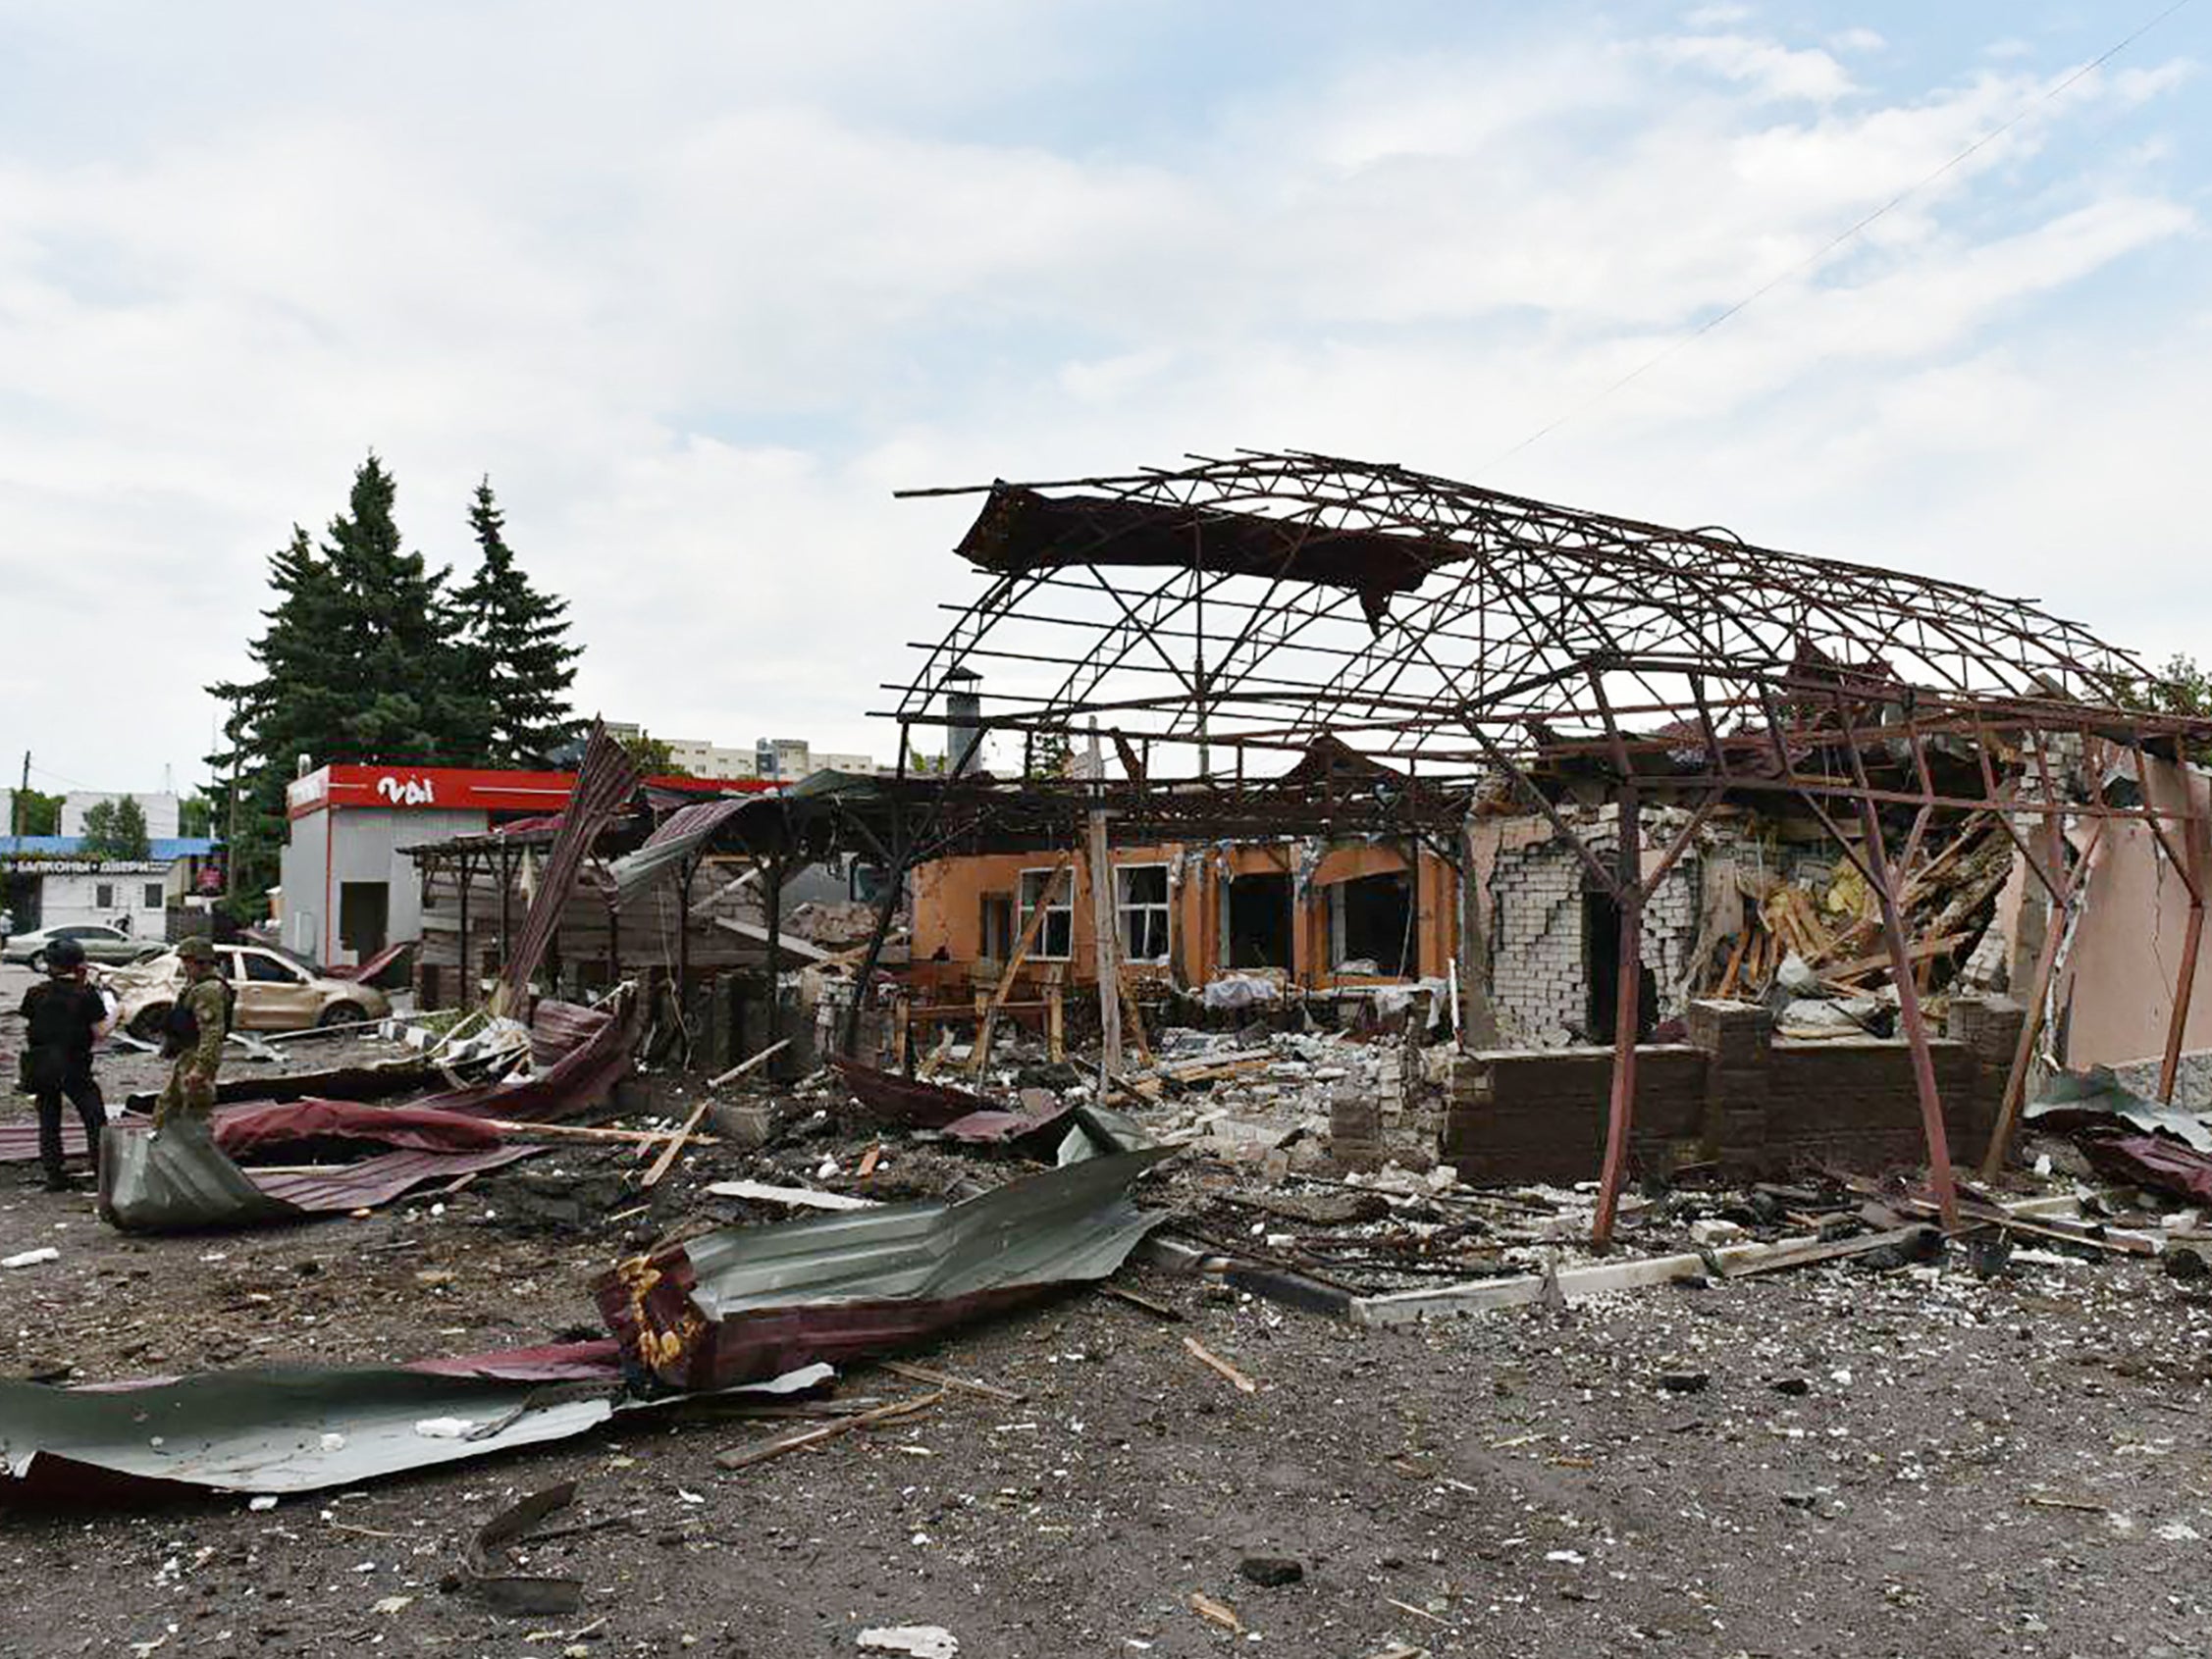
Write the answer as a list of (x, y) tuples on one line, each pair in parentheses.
[(164, 812), (704, 759), (784, 760)]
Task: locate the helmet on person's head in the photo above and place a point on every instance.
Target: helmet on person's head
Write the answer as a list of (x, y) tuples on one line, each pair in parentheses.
[(64, 955), (196, 950)]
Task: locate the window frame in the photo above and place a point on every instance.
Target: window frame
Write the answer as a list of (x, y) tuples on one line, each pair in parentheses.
[(156, 896), (1127, 907), (246, 959), (103, 895), (1026, 898)]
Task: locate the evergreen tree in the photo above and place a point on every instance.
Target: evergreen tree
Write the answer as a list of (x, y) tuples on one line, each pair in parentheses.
[(116, 829), (519, 665), (295, 707), (397, 639)]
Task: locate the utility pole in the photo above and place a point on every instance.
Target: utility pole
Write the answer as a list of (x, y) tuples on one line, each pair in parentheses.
[(21, 812), (231, 838)]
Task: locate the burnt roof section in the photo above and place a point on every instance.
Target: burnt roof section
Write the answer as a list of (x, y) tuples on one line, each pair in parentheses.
[(1020, 529)]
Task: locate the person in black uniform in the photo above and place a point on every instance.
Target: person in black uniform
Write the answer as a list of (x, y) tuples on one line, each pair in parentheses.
[(65, 1014)]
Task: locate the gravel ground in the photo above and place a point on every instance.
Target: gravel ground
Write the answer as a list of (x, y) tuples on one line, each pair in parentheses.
[(1833, 1460)]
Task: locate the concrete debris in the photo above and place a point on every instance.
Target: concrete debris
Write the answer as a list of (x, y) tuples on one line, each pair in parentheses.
[(923, 1641)]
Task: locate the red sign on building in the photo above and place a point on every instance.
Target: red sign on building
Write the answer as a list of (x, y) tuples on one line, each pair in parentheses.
[(460, 789)]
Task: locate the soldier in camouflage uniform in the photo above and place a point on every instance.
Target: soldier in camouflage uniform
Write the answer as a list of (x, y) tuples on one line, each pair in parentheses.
[(198, 1021)]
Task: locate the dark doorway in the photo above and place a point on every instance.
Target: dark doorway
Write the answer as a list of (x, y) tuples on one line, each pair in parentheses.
[(1259, 921), (1601, 956), (364, 916), (998, 928), (1373, 922)]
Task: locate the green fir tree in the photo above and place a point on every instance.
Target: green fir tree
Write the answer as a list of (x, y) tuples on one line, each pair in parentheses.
[(519, 663)]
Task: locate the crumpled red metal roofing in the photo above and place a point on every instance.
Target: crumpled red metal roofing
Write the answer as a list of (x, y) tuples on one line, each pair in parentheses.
[(603, 783)]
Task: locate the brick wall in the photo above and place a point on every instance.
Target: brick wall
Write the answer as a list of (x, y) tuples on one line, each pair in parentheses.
[(1540, 976), (1730, 1095)]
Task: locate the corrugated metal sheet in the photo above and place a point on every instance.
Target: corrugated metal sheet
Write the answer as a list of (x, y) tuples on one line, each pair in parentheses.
[(605, 781), (273, 1430), (382, 1178), (747, 1302), (683, 833)]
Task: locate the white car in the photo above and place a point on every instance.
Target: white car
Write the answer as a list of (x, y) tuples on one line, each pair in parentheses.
[(274, 992), (102, 944)]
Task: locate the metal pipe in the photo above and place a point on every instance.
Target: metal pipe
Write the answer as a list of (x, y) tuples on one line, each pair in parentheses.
[(1916, 1024)]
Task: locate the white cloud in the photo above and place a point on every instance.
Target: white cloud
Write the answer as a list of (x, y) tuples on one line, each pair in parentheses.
[(1771, 70)]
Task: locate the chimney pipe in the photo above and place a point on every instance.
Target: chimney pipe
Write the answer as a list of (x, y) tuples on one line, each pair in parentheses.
[(964, 716)]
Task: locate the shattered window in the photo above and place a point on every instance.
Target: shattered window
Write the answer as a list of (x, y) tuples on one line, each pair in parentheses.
[(1140, 896), (1058, 934)]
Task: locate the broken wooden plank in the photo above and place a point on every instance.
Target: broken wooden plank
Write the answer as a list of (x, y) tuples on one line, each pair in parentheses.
[(691, 1123), (1834, 1251), (1214, 1361), (743, 1066), (744, 1457), (1051, 891), (1216, 1612), (798, 1198), (584, 1132), (1926, 951), (1574, 1284), (945, 1379), (1158, 1310), (785, 943)]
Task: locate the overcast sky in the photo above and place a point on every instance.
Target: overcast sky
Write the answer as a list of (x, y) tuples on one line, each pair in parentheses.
[(699, 285)]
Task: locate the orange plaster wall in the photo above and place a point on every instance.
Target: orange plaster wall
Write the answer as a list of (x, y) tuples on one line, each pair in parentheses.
[(949, 892), (948, 906)]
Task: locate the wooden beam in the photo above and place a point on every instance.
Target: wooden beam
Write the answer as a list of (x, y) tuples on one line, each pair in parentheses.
[(1029, 931)]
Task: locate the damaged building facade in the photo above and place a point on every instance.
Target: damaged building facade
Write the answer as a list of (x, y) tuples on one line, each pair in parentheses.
[(1632, 780)]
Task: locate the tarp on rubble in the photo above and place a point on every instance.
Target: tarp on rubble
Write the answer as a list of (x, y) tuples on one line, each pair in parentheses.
[(279, 1429), (185, 1177), (176, 1179), (751, 1302), (2152, 1160), (2089, 1099)]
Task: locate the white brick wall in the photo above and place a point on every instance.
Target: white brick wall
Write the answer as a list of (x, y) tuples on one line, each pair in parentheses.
[(1539, 978)]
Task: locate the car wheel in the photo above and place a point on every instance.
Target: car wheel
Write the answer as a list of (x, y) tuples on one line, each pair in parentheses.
[(147, 1023), (342, 1013), (37, 961)]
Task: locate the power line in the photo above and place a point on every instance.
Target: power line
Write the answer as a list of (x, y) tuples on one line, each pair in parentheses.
[(1840, 237)]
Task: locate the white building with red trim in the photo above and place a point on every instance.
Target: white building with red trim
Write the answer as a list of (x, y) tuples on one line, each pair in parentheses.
[(347, 888)]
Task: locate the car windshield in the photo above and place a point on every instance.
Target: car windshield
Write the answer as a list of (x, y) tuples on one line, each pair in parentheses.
[(306, 964)]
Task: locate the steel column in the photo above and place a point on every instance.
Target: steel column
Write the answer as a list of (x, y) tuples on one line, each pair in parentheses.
[(1627, 998), (2192, 937), (1910, 1016)]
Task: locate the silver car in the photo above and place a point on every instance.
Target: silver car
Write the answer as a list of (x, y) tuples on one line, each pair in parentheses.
[(102, 944)]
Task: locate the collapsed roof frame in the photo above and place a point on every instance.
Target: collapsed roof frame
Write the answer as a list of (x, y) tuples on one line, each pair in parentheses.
[(1457, 637)]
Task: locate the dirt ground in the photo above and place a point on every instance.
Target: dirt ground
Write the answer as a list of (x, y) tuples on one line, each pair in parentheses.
[(1839, 1460)]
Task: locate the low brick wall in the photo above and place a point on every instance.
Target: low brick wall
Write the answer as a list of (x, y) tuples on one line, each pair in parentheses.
[(1731, 1094)]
